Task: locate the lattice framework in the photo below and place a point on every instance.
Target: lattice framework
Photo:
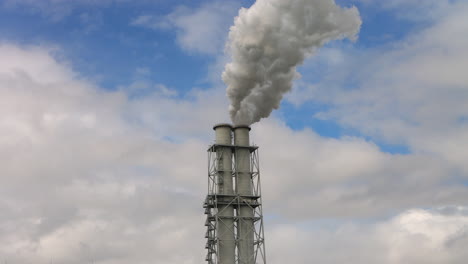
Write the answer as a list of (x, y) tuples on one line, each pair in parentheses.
[(214, 201)]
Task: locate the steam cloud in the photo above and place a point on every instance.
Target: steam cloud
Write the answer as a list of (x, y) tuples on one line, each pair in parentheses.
[(267, 42)]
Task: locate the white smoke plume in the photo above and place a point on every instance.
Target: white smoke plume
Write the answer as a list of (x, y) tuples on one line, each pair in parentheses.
[(267, 42)]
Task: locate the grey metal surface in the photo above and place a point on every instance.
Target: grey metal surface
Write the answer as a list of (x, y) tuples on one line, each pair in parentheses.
[(225, 225), (245, 227)]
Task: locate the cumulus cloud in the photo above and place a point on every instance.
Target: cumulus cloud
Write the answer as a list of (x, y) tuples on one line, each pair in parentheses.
[(111, 177), (201, 30), (308, 176), (413, 92), (414, 236), (88, 174)]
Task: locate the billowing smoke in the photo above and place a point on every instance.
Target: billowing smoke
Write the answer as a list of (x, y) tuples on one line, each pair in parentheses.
[(267, 42)]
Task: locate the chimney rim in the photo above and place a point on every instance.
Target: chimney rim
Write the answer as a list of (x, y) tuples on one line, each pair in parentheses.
[(222, 125), (241, 126)]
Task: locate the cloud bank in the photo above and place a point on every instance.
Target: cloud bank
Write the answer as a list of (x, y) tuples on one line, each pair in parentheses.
[(94, 176)]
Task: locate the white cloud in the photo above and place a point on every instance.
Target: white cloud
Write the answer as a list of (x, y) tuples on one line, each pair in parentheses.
[(414, 236), (306, 176), (110, 177), (413, 92), (202, 30), (93, 175), (84, 175)]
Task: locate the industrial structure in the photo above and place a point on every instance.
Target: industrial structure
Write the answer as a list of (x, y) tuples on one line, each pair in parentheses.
[(233, 206)]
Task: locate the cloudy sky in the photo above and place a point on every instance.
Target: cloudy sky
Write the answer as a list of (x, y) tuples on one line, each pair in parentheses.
[(107, 108)]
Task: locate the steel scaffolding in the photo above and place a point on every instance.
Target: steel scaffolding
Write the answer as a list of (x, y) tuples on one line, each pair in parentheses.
[(216, 202)]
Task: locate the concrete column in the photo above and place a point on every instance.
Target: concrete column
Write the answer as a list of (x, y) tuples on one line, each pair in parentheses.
[(244, 188), (225, 227)]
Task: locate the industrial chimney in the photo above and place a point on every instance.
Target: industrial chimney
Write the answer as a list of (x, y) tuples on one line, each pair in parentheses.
[(233, 205)]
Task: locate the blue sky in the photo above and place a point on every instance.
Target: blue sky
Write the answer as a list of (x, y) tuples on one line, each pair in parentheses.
[(122, 48), (106, 109)]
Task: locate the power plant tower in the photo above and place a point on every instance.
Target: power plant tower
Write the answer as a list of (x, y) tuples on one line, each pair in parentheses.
[(233, 206)]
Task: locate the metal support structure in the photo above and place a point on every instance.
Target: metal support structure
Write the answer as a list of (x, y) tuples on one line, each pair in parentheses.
[(234, 217)]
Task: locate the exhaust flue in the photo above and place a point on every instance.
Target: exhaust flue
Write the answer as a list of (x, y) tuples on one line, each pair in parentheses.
[(226, 238), (267, 42)]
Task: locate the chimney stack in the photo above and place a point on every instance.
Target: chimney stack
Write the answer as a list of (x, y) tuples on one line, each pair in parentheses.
[(233, 205)]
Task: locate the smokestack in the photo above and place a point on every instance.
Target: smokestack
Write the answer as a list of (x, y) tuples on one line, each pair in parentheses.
[(226, 236), (245, 226), (233, 205)]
